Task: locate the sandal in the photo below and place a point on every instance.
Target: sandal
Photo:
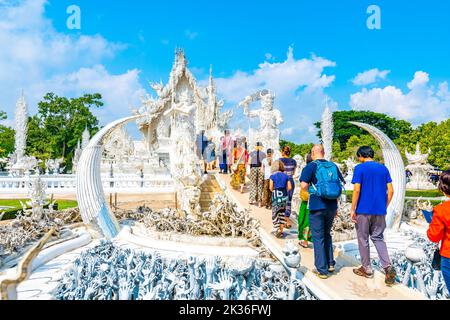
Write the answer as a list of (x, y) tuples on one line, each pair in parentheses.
[(361, 271), (279, 235), (303, 244)]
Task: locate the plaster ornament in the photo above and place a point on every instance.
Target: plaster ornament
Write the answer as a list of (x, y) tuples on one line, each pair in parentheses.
[(291, 255)]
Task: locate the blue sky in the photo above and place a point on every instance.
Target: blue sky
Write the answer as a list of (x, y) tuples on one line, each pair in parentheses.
[(124, 44)]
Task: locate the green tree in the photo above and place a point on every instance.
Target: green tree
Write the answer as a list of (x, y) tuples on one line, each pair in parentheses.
[(6, 138), (433, 136), (344, 130), (352, 146), (55, 130), (297, 149)]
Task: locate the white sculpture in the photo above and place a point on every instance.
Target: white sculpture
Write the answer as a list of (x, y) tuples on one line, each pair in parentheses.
[(38, 198), (54, 166), (419, 168), (90, 195), (327, 130), (19, 163), (85, 137), (269, 118), (350, 163), (20, 127)]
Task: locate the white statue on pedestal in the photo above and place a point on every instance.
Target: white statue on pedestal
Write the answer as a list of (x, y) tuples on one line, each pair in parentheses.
[(419, 168), (269, 117)]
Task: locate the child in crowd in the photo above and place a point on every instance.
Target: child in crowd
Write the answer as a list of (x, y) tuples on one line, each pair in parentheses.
[(267, 171), (280, 185)]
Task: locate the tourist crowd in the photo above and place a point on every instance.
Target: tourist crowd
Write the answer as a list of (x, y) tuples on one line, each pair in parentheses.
[(271, 184)]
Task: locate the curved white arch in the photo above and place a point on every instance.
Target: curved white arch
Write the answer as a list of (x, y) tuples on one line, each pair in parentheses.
[(90, 195), (394, 162)]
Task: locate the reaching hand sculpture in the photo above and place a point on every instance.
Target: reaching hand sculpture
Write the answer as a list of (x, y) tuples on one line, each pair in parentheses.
[(137, 275), (414, 268)]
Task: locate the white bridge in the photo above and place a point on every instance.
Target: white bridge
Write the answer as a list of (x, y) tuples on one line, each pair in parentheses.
[(66, 184)]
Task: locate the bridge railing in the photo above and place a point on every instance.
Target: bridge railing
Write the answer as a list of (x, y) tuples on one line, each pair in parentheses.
[(66, 184)]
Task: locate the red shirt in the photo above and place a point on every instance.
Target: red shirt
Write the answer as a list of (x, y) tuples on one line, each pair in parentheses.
[(440, 228)]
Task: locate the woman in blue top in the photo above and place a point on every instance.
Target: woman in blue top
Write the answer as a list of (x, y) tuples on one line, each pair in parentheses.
[(289, 168), (280, 185)]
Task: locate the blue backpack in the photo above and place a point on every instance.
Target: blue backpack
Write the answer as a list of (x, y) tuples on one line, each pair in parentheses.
[(329, 185)]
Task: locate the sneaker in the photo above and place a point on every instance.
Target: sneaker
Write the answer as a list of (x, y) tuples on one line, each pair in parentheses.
[(331, 269), (361, 271), (321, 276), (390, 276)]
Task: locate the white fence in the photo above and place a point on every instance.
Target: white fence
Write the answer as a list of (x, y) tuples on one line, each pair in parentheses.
[(66, 184)]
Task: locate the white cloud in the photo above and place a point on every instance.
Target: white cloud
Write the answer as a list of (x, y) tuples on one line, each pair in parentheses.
[(422, 103), (420, 79), (36, 58), (288, 131), (370, 76), (299, 87), (191, 35)]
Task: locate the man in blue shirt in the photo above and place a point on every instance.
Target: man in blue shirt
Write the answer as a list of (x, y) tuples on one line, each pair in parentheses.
[(321, 217), (372, 195)]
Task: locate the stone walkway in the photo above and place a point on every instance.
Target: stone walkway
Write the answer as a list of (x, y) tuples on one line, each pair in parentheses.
[(342, 285)]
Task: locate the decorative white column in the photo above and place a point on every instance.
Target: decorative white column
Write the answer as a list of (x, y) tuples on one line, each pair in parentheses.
[(20, 126), (327, 128)]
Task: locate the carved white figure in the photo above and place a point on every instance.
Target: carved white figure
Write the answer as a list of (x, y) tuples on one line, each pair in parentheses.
[(350, 163), (419, 168), (269, 118), (54, 166)]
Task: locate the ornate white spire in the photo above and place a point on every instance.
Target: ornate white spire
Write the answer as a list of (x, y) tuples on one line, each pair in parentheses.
[(21, 125), (85, 138), (327, 127)]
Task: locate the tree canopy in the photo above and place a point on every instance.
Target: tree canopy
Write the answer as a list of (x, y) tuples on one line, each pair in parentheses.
[(344, 130), (55, 130), (6, 138)]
